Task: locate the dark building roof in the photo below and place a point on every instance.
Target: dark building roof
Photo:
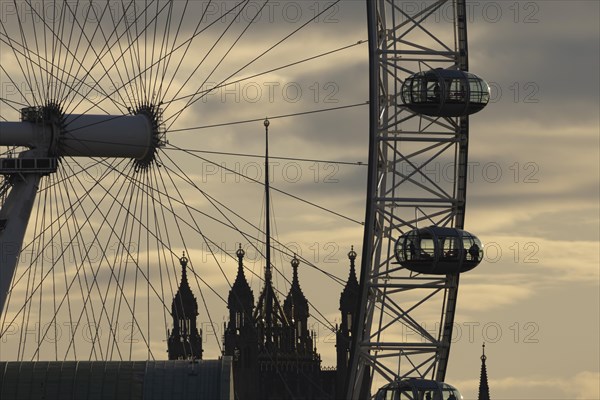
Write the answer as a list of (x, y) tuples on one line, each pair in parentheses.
[(81, 380)]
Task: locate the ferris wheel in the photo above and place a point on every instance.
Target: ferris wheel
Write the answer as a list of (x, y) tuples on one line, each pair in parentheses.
[(414, 247), (100, 193)]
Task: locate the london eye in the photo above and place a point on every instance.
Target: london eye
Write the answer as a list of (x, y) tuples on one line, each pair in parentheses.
[(101, 191)]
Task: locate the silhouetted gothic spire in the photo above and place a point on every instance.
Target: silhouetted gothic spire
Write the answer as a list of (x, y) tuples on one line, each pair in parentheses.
[(348, 304), (241, 297), (296, 309), (484, 390), (349, 297), (296, 304), (185, 342)]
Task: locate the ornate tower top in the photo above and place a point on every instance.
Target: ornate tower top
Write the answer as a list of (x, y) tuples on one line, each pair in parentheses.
[(296, 304), (184, 304), (241, 297), (185, 342), (349, 296)]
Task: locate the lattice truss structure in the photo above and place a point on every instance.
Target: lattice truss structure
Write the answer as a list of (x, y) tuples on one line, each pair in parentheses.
[(418, 179)]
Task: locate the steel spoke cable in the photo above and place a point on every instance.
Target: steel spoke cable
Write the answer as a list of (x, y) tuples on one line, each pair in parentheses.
[(156, 237), (120, 256), (30, 76), (49, 80), (273, 188), (94, 271), (254, 120), (10, 105), (43, 20), (209, 52), (202, 297), (159, 251), (40, 59), (148, 79), (63, 94), (136, 262), (5, 100), (247, 236), (60, 91), (18, 59), (37, 49), (167, 246), (89, 47), (142, 87), (73, 209), (233, 226), (30, 284), (114, 63), (55, 48), (55, 203), (165, 46), (139, 98), (99, 58), (72, 88), (198, 229), (281, 252), (185, 51), (292, 64), (148, 264), (67, 291), (35, 259), (124, 84), (139, 221), (27, 271), (103, 251), (192, 101), (104, 254), (357, 163), (107, 45)]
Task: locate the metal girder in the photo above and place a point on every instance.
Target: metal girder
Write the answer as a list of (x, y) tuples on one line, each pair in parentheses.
[(417, 177)]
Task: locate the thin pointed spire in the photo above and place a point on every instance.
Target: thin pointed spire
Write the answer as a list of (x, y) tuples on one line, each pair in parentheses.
[(484, 389), (268, 273)]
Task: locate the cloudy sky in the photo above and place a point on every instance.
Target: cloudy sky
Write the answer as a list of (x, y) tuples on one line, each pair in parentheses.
[(534, 178)]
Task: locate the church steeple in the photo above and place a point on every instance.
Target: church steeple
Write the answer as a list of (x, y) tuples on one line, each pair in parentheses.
[(185, 342), (484, 390)]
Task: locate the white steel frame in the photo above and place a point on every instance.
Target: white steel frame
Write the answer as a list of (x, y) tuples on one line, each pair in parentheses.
[(391, 338)]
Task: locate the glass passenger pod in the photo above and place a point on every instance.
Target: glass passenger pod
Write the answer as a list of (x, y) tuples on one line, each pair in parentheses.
[(418, 389), (439, 251), (445, 93)]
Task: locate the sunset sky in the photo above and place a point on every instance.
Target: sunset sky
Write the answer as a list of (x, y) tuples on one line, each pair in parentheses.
[(533, 193)]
